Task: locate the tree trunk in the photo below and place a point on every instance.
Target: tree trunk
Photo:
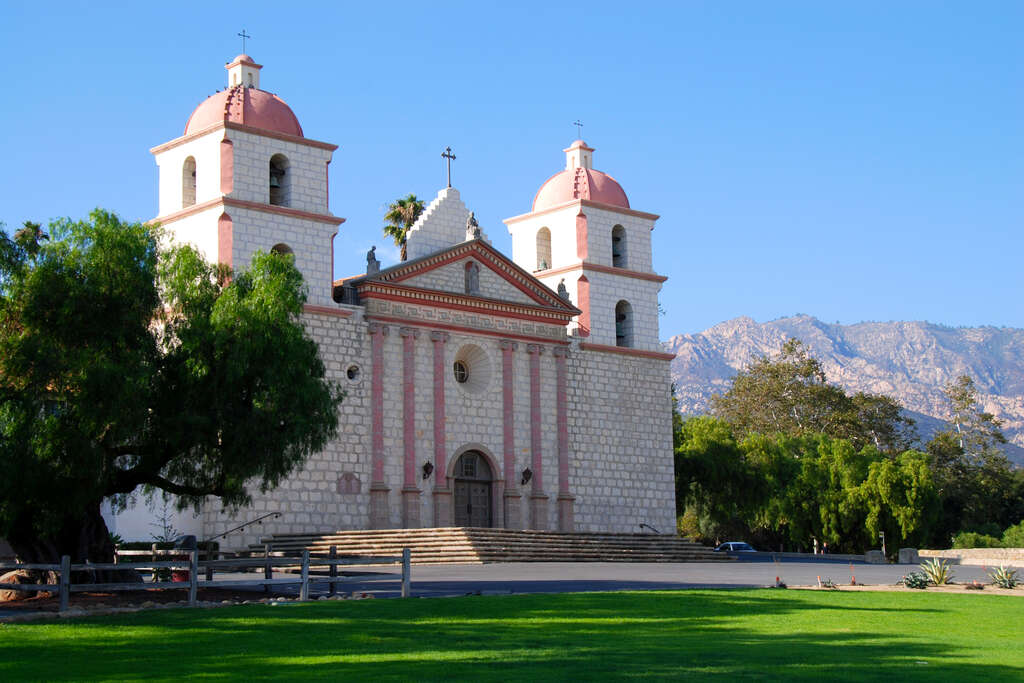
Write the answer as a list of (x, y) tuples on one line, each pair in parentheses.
[(83, 537)]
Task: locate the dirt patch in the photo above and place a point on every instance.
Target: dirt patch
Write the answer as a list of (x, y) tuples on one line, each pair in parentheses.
[(950, 588)]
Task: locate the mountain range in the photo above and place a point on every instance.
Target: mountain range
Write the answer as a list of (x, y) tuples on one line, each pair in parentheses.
[(909, 361)]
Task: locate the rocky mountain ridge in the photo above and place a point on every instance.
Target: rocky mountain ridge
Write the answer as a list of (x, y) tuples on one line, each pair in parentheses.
[(910, 361)]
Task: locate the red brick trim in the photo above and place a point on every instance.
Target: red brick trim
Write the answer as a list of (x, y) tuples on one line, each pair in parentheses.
[(225, 239), (254, 206), (604, 348), (598, 268)]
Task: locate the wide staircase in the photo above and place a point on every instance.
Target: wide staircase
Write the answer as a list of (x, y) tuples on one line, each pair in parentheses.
[(469, 545)]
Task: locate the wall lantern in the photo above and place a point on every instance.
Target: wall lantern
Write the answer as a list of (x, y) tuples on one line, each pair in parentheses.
[(527, 476), (428, 469)]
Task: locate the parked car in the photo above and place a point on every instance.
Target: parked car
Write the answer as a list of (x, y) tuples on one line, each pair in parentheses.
[(735, 547)]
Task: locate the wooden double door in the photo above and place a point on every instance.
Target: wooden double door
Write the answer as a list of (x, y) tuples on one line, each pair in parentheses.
[(473, 490)]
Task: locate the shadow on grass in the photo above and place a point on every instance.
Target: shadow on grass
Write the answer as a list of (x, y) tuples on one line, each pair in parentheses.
[(756, 634)]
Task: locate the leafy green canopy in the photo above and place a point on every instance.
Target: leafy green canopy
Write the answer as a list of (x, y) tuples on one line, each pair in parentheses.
[(788, 394), (402, 214), (126, 361)]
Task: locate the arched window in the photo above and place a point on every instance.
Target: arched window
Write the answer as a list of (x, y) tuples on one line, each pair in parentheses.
[(619, 246), (623, 324), (188, 182), (472, 278), (281, 248), (280, 181), (543, 249)]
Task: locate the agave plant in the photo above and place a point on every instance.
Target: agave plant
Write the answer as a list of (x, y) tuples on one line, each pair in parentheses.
[(1004, 577), (915, 580), (937, 571)]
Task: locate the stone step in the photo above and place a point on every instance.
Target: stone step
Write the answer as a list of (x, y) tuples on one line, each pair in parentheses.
[(475, 545)]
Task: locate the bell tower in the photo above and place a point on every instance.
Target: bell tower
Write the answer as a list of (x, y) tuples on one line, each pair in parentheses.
[(581, 233), (243, 178)]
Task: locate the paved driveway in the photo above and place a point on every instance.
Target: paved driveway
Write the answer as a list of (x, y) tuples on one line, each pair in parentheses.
[(566, 577)]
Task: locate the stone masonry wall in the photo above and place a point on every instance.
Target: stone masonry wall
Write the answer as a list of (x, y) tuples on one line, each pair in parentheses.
[(452, 278), (620, 430)]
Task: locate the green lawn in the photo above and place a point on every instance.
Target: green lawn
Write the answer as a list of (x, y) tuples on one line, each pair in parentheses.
[(758, 634)]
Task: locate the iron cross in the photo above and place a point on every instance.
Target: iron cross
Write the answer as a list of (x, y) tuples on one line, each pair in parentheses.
[(579, 128), (447, 154), (243, 35)]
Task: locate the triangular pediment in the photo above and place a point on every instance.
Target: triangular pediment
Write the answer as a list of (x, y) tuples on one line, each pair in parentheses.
[(500, 279)]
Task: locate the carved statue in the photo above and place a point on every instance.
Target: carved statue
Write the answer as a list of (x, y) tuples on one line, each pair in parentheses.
[(372, 264), (562, 291), (472, 278), (472, 227)]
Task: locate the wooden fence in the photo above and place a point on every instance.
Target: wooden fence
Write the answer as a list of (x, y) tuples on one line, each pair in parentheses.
[(188, 560)]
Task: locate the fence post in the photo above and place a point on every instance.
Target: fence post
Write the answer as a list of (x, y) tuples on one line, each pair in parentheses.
[(268, 573), (406, 572), (304, 588), (65, 582), (333, 571), (193, 576), (117, 547)]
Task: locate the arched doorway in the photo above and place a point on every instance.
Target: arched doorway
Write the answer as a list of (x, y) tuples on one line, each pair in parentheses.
[(473, 487)]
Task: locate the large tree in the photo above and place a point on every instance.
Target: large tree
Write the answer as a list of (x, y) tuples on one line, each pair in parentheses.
[(128, 362), (788, 394), (402, 214)]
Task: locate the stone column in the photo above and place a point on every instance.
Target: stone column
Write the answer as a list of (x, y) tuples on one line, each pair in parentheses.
[(410, 492), (538, 500), (379, 517), (442, 492), (565, 497), (511, 497)]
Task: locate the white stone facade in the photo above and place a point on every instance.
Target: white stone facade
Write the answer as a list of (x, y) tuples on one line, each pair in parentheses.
[(576, 430)]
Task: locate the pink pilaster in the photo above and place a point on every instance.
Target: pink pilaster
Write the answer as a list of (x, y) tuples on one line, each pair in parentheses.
[(378, 488), (538, 500), (565, 497), (410, 493), (511, 497), (442, 494)]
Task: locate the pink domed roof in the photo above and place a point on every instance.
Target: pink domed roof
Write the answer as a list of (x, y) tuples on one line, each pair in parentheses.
[(580, 183), (246, 106)]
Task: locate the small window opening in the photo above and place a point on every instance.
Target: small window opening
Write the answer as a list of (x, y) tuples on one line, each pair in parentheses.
[(623, 324), (461, 372), (619, 246), (352, 373), (468, 462), (250, 79), (280, 181), (543, 249), (281, 248), (188, 182)]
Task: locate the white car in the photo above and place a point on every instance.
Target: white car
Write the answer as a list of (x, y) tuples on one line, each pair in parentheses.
[(735, 547)]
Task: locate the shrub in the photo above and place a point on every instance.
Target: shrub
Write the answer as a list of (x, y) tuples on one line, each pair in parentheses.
[(1013, 537), (937, 571), (1004, 577), (972, 539), (914, 580)]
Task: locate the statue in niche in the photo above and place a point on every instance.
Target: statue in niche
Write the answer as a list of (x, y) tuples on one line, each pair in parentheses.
[(472, 278), (562, 291), (372, 264), (543, 265), (472, 227)]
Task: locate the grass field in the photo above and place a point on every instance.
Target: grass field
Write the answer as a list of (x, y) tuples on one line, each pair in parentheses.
[(755, 634)]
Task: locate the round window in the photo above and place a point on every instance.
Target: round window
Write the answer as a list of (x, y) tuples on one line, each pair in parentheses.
[(352, 373), (472, 369)]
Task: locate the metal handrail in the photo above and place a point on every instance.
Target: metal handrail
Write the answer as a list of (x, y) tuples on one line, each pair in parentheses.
[(240, 527), (644, 525)]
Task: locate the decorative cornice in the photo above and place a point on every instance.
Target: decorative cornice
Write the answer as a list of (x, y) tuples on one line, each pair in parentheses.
[(253, 206), (372, 289), (327, 310), (626, 351), (230, 125), (464, 329), (578, 203), (599, 268)]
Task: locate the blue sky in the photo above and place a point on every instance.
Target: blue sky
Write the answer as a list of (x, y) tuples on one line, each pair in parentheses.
[(855, 161)]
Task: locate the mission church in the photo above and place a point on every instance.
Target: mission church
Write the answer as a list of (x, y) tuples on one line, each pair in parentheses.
[(529, 392)]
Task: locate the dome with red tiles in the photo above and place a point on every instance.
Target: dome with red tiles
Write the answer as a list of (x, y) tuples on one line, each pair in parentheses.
[(248, 107), (579, 181)]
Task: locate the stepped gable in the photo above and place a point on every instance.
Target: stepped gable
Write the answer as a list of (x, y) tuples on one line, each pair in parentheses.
[(442, 224), (410, 280)]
